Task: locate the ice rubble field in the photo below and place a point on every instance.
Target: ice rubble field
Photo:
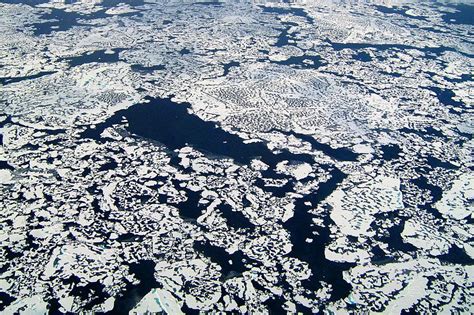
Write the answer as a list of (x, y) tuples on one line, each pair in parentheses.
[(244, 156)]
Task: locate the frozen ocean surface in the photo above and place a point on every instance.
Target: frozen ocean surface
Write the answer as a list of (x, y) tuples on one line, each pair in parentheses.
[(255, 157)]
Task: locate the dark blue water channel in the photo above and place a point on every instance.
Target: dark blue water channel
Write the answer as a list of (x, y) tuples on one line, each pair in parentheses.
[(99, 56), (171, 124), (61, 20), (9, 80), (430, 52), (464, 14)]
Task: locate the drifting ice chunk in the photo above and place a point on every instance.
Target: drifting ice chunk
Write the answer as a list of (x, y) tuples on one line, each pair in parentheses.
[(157, 300), (302, 171), (456, 202), (5, 176), (29, 305)]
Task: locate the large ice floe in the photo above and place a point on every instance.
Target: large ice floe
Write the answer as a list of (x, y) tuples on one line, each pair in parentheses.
[(236, 156)]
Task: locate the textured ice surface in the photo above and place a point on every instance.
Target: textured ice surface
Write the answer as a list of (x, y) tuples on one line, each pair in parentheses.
[(238, 156)]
